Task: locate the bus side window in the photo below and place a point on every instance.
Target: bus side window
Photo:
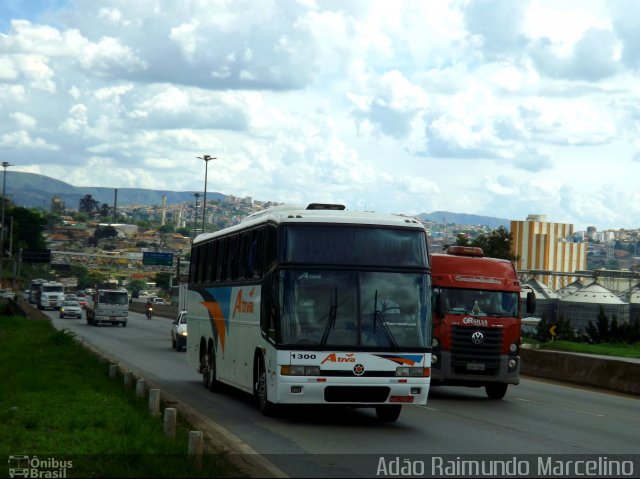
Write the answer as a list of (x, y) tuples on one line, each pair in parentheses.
[(245, 243), (202, 263), (232, 257), (259, 253), (210, 262), (221, 263), (193, 265), (270, 251)]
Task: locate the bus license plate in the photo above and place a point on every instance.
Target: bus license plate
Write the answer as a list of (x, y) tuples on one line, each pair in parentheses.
[(475, 366)]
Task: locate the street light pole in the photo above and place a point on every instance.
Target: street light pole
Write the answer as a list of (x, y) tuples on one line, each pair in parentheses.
[(206, 159), (5, 164), (195, 216)]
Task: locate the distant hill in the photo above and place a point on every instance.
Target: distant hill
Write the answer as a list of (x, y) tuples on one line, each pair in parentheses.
[(465, 219), (32, 190)]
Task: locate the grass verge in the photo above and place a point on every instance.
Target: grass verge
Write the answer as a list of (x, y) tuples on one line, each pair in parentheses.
[(606, 349), (56, 400)]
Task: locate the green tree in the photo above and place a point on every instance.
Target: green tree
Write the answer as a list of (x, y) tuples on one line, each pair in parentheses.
[(88, 204), (163, 280), (186, 232), (28, 228), (599, 332), (496, 244), (165, 229), (543, 334), (80, 217), (105, 232), (136, 286)]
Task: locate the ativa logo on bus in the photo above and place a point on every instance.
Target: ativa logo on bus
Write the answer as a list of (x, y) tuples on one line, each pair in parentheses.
[(334, 358), (242, 306)]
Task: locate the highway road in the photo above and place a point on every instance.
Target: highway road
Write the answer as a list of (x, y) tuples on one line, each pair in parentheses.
[(535, 417)]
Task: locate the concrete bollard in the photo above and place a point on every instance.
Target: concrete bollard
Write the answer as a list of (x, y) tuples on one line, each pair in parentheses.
[(170, 414), (113, 370), (154, 402), (140, 387), (128, 379), (196, 447)]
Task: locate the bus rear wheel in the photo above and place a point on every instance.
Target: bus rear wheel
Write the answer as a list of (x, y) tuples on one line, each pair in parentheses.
[(388, 413), (496, 390)]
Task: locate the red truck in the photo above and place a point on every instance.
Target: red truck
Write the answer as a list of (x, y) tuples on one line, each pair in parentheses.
[(476, 321)]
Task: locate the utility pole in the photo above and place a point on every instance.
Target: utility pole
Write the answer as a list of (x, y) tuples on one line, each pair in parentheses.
[(195, 216), (206, 159), (5, 164)]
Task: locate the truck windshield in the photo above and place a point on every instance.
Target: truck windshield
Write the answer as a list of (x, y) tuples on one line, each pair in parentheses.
[(52, 289), (354, 309), (475, 302), (113, 297)]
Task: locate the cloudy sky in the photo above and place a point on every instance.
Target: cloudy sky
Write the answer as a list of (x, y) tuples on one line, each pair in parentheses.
[(492, 107)]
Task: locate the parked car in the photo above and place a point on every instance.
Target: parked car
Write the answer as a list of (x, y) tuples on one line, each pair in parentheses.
[(70, 309), (157, 300), (179, 332), (7, 294)]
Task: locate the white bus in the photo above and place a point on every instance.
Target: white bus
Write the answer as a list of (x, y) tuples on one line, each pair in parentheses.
[(314, 305)]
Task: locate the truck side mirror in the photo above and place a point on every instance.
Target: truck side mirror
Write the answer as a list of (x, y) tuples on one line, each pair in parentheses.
[(531, 302), (437, 304)]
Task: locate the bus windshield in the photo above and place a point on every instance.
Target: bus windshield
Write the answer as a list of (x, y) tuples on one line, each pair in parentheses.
[(354, 309), (501, 304), (325, 244)]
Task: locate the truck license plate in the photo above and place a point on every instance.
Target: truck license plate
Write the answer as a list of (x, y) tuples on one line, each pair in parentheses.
[(113, 318), (475, 366)]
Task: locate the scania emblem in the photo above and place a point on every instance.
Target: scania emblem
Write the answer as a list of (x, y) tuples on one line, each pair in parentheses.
[(477, 337), (358, 370)]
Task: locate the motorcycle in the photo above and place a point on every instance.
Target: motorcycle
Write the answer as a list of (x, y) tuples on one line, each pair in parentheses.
[(149, 312)]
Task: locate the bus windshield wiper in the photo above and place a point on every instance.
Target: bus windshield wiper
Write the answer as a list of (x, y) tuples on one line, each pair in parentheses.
[(378, 317), (333, 312)]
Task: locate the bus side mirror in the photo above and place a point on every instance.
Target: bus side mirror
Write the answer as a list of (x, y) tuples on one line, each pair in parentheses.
[(531, 302)]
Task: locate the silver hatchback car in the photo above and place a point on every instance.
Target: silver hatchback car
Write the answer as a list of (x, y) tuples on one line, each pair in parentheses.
[(70, 309)]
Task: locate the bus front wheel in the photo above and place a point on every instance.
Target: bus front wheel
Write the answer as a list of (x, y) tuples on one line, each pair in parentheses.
[(496, 390), (208, 366), (260, 390), (388, 413)]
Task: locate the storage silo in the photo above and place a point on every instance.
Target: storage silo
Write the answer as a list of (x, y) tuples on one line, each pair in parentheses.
[(583, 306), (546, 299), (570, 288), (634, 306)]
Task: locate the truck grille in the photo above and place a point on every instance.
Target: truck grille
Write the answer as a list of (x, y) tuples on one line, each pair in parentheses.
[(465, 351)]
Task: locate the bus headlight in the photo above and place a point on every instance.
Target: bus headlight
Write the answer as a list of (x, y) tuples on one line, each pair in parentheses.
[(299, 370), (405, 371)]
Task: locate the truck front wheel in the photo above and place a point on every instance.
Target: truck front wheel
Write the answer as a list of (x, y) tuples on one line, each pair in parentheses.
[(496, 390)]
